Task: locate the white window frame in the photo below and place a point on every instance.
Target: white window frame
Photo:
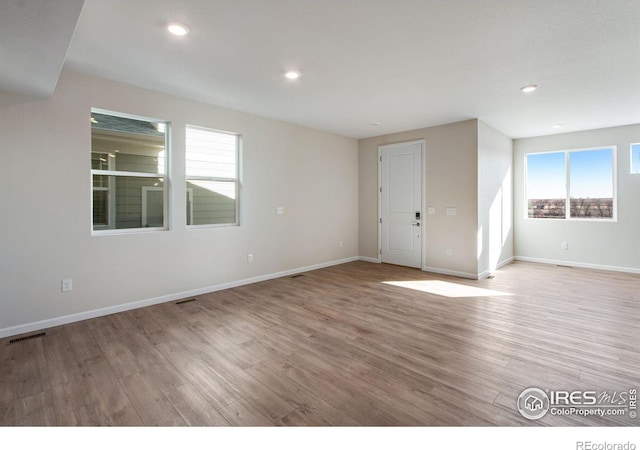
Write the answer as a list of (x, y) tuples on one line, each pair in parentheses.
[(112, 174), (111, 199), (236, 180), (567, 168)]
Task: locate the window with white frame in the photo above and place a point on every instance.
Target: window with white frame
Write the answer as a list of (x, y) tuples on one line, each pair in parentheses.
[(583, 180), (635, 158), (212, 174), (129, 169)]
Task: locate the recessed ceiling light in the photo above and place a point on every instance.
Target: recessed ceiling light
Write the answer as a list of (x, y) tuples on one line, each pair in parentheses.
[(529, 88), (178, 29), (557, 125), (292, 74)]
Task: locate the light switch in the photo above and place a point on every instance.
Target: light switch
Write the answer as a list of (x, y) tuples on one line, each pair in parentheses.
[(431, 210), (452, 211), (280, 210)]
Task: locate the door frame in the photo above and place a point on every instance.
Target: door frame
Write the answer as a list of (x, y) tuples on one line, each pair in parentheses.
[(423, 145)]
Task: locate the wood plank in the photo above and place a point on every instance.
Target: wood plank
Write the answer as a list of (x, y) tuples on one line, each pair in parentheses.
[(214, 388), (318, 385), (294, 419), (105, 393), (194, 409), (31, 376), (242, 413), (7, 376), (263, 399), (371, 412), (311, 408), (35, 410), (150, 403), (8, 415), (82, 341)]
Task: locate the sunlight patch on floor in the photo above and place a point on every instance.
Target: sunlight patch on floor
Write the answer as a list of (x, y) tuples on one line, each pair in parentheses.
[(446, 289)]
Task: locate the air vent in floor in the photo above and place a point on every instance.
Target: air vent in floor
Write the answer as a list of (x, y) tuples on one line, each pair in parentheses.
[(26, 338), (186, 301)]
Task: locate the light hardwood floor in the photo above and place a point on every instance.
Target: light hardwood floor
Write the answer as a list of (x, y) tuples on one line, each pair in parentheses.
[(337, 346)]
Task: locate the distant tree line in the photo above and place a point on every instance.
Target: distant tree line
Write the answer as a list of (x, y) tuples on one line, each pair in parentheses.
[(580, 207)]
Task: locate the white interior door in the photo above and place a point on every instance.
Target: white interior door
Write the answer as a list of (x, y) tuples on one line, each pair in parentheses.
[(401, 203)]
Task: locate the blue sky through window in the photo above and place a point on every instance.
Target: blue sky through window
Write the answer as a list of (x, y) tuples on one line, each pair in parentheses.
[(635, 158), (590, 172), (546, 176)]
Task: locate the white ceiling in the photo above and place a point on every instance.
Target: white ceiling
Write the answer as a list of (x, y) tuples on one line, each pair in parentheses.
[(404, 63)]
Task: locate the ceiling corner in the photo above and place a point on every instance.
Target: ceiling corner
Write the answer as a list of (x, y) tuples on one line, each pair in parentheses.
[(35, 36)]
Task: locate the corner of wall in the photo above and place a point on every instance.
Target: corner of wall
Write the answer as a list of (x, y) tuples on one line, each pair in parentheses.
[(495, 198)]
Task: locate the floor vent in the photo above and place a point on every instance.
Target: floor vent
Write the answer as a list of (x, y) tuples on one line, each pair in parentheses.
[(186, 301), (297, 276), (25, 338)]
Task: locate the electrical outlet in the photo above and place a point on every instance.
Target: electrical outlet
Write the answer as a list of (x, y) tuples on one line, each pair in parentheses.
[(564, 246), (340, 244), (449, 252), (280, 210), (67, 285), (250, 257)]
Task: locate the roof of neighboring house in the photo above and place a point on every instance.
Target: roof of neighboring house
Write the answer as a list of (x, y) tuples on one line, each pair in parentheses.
[(124, 125)]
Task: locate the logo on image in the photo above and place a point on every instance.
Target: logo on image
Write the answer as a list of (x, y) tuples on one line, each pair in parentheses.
[(533, 403)]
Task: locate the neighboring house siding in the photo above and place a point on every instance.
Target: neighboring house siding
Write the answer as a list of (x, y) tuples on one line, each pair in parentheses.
[(211, 207), (129, 189)]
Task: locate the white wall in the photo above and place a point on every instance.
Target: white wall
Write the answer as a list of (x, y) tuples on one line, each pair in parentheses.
[(495, 203), (450, 180), (45, 229), (609, 245)]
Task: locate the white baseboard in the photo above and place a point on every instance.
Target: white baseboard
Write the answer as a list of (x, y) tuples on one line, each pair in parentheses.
[(62, 320), (504, 262), (371, 260), (483, 275), (499, 265), (455, 273), (578, 264)]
